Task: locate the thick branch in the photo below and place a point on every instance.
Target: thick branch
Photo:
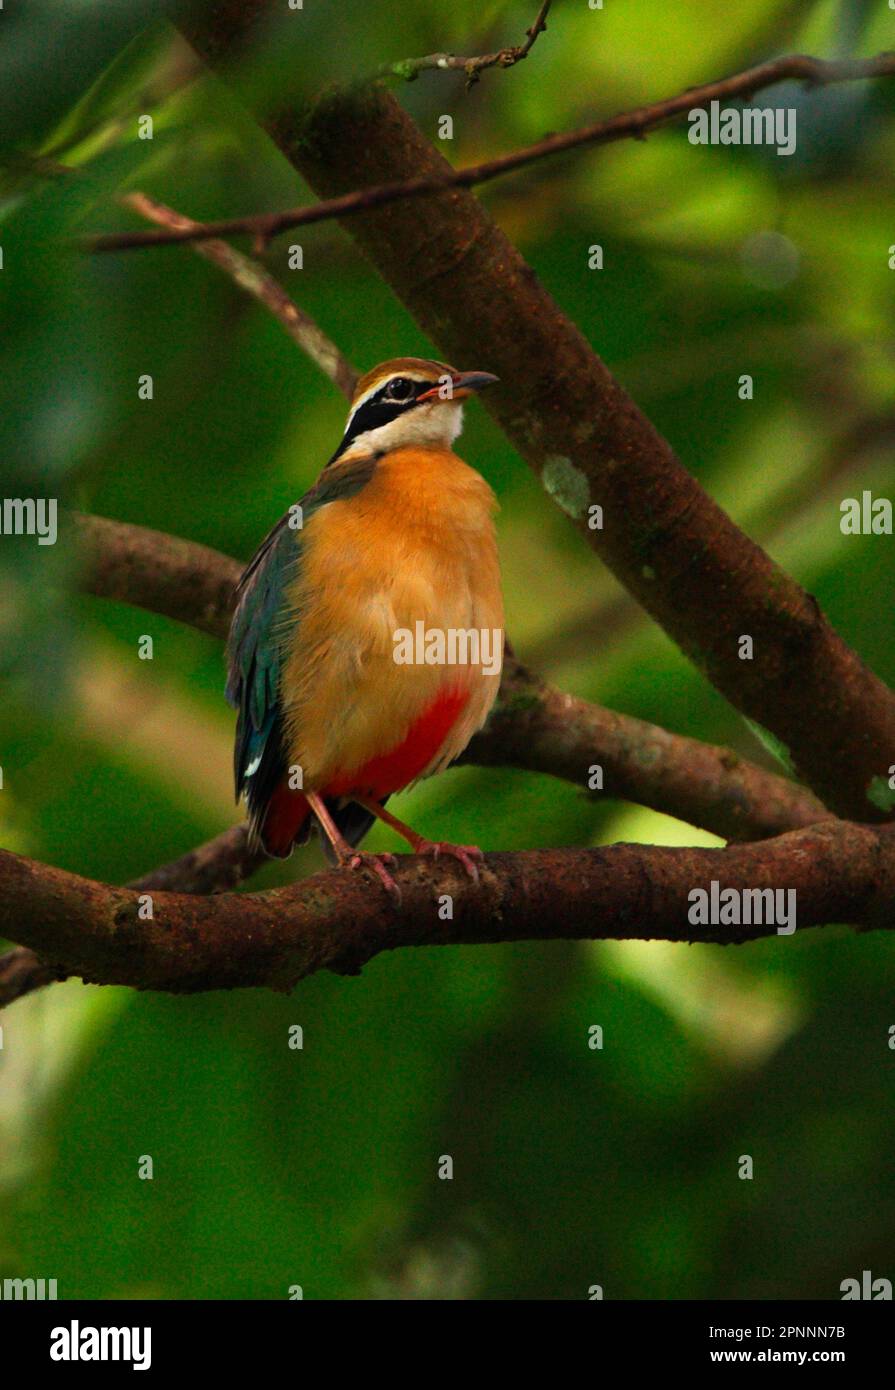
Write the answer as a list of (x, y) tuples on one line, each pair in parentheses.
[(536, 727), (533, 727), (264, 226), (700, 577), (151, 569), (221, 863), (339, 920)]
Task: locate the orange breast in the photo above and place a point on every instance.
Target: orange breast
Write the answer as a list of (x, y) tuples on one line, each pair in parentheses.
[(416, 545), (392, 771)]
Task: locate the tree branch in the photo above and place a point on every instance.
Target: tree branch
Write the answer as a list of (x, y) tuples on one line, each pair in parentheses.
[(264, 226), (410, 68), (152, 569), (339, 920), (540, 729), (221, 863)]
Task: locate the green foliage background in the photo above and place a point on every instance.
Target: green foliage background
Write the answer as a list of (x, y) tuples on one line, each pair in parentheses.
[(318, 1167)]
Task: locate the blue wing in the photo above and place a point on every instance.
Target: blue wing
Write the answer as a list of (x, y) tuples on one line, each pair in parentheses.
[(255, 652), (262, 625)]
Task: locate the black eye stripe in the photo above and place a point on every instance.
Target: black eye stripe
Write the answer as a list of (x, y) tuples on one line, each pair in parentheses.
[(381, 409), (374, 413)]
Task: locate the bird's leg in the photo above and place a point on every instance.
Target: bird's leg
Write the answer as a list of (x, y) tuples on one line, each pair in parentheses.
[(346, 854), (466, 854)]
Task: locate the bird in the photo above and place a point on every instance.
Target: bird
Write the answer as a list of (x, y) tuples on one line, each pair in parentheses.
[(336, 712)]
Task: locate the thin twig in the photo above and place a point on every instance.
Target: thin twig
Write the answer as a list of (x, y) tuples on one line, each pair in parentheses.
[(264, 226), (410, 68)]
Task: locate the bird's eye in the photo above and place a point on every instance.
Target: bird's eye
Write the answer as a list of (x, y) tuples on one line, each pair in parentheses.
[(400, 389)]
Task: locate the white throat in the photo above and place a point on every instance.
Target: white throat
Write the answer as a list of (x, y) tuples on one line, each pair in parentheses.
[(434, 425)]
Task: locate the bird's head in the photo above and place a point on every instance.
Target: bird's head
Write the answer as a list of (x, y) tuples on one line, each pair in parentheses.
[(409, 400)]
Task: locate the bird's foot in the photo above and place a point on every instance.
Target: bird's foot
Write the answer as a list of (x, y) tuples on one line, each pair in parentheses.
[(364, 859), (470, 856)]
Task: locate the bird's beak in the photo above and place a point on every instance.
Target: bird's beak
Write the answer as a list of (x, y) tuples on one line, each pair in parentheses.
[(462, 385)]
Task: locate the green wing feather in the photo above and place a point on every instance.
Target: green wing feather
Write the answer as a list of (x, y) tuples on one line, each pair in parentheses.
[(261, 629)]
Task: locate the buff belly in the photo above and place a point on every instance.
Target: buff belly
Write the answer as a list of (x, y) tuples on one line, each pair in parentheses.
[(415, 545)]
